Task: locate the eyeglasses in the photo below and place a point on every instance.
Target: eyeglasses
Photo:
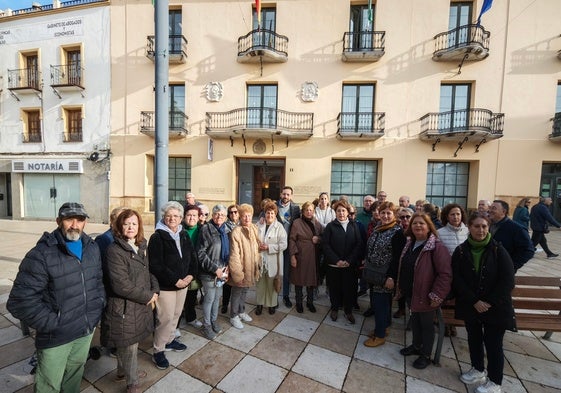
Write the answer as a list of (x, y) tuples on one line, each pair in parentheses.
[(404, 217), (233, 211), (204, 214)]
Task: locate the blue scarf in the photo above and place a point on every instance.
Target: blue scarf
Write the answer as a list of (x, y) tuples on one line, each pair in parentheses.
[(224, 243)]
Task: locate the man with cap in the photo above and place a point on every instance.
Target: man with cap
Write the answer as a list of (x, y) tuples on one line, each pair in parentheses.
[(59, 292)]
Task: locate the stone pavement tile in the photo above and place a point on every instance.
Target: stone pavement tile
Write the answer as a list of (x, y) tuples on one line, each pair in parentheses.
[(178, 381), (415, 385), (89, 389), (323, 365), (9, 334), (512, 385), (386, 355), (96, 369), (445, 376), (253, 375), (107, 383), (343, 323), (527, 345), (242, 339), (298, 383), (279, 349), (554, 347), (534, 387), (318, 316), (335, 339), (461, 349), (364, 377), (194, 342), (535, 370), (18, 350), (15, 376), (211, 363), (264, 321), (296, 327)]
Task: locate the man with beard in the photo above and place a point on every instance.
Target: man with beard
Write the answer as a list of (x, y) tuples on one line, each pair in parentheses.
[(59, 292)]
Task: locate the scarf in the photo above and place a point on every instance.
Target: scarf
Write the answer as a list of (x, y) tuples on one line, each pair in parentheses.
[(382, 228), (224, 243), (310, 223), (477, 248), (193, 233), (174, 236)]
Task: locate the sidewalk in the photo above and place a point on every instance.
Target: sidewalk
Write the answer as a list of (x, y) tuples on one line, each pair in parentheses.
[(286, 352)]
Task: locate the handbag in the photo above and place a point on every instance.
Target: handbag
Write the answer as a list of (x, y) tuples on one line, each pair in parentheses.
[(194, 285), (373, 276), (277, 281)]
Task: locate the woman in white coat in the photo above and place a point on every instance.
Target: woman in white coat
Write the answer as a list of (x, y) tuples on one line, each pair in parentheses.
[(273, 241)]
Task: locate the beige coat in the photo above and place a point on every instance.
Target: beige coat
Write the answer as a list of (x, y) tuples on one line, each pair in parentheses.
[(277, 241), (245, 259)]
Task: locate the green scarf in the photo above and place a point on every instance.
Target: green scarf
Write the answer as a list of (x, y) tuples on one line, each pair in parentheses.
[(477, 249)]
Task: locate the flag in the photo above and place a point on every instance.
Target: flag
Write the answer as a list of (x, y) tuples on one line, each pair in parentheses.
[(370, 14), (484, 8), (258, 10)]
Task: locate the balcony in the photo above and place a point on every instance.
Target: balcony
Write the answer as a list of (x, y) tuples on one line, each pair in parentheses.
[(363, 46), (67, 77), (361, 126), (25, 80), (469, 42), (32, 138), (73, 136), (177, 50), (259, 122), (262, 45), (177, 124), (555, 135)]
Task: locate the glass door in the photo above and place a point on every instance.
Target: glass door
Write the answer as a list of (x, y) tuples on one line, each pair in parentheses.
[(261, 106), (361, 28), (460, 15), (45, 193), (358, 106), (454, 107)]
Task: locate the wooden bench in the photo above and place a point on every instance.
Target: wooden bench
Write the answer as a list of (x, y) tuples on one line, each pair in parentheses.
[(537, 305)]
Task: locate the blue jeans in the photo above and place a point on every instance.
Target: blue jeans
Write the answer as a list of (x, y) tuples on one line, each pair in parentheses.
[(381, 303), (211, 301)]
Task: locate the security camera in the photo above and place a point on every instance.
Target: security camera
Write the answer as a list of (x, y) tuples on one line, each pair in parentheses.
[(94, 156)]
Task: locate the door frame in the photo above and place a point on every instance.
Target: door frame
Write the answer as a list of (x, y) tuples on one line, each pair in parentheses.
[(248, 170)]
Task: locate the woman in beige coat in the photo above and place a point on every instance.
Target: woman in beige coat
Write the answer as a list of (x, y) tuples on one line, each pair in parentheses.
[(244, 266), (304, 253), (273, 241)]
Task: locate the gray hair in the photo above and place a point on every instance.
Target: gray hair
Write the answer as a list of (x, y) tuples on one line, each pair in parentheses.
[(218, 209), (172, 205), (405, 210)]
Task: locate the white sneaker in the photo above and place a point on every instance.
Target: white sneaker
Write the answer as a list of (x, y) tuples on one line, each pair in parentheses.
[(236, 322), (488, 387), (244, 317), (177, 333), (473, 376), (196, 323)]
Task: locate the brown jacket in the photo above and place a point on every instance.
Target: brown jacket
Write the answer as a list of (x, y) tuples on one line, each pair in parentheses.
[(245, 259), (300, 244)]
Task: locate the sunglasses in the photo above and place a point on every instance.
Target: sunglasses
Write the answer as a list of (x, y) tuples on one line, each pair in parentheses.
[(232, 211), (404, 217)]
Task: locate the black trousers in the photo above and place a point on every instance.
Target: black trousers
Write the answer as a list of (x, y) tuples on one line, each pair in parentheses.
[(300, 294), (422, 327), (190, 304), (490, 336), (539, 238), (342, 284)]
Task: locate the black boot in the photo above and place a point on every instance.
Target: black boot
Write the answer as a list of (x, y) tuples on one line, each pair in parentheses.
[(299, 308)]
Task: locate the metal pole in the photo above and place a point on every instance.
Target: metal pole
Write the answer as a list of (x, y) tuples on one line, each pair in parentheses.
[(161, 58)]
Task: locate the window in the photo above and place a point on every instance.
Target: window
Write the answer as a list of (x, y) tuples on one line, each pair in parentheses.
[(355, 179), (175, 34), (73, 125), (176, 106), (357, 108), (460, 15), (454, 106), (261, 106), (179, 179), (31, 125), (31, 75), (447, 182), (361, 25), (558, 99)]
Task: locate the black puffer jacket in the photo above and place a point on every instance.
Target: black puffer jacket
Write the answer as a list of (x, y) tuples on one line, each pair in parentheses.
[(57, 294), (127, 318), (166, 263)]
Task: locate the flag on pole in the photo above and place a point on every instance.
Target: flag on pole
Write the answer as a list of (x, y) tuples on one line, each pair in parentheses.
[(258, 10), (484, 8), (370, 14)]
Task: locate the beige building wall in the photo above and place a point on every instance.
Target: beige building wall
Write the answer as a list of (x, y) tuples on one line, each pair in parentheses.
[(519, 79)]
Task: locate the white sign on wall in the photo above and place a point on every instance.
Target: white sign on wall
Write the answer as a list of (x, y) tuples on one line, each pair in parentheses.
[(47, 166), (42, 31)]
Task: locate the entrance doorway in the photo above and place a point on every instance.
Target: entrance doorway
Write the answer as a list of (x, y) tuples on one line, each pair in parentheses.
[(5, 195), (44, 193), (550, 186), (259, 179)]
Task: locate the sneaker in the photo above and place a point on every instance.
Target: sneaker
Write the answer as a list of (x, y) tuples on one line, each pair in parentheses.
[(177, 333), (216, 328), (159, 358), (236, 322), (244, 317), (208, 332), (196, 323), (176, 346), (488, 387), (473, 376)]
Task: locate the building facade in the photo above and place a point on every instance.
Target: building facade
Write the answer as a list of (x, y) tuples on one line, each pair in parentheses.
[(55, 99)]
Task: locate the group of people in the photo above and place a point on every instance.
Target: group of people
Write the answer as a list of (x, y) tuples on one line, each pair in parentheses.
[(416, 254)]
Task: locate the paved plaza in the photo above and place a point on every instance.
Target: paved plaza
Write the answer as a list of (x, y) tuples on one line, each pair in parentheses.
[(285, 352)]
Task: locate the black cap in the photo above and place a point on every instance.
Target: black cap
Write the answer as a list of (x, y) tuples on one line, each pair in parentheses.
[(72, 209)]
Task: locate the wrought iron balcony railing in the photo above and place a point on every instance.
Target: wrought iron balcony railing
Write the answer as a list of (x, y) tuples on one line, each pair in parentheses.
[(31, 138), (74, 136), (556, 128), (177, 123), (463, 122), (469, 40), (67, 75), (177, 49), (263, 43), (353, 125), (48, 7), (24, 79), (364, 45), (259, 121)]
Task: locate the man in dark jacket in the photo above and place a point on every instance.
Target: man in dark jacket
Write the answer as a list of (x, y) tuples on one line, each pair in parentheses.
[(540, 217), (59, 292), (512, 236)]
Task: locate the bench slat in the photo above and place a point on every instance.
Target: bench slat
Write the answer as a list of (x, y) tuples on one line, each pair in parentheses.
[(541, 293), (538, 281), (536, 304)]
